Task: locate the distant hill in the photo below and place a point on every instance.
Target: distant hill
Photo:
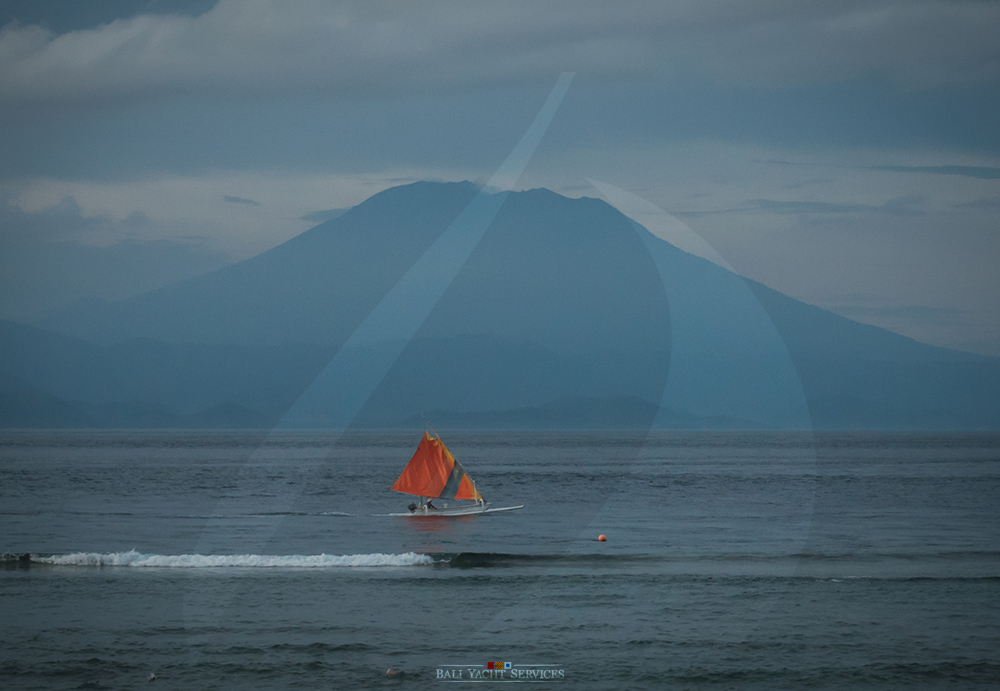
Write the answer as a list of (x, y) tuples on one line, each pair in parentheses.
[(566, 314), (181, 378), (24, 406), (576, 412)]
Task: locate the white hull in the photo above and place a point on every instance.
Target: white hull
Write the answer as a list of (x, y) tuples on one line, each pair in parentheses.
[(424, 511)]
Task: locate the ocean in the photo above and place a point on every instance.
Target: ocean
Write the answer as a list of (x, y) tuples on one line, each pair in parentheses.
[(220, 560)]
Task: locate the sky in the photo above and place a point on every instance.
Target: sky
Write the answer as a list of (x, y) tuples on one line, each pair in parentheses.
[(844, 153)]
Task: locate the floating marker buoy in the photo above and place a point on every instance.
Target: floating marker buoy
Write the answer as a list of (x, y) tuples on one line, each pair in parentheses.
[(391, 672), (602, 538)]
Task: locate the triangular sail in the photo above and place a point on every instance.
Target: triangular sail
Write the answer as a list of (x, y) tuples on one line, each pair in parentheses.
[(434, 472)]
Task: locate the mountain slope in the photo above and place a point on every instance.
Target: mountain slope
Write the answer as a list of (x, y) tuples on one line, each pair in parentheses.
[(314, 288), (562, 300)]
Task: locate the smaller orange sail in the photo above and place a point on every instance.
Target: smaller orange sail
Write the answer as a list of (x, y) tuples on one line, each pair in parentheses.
[(434, 472)]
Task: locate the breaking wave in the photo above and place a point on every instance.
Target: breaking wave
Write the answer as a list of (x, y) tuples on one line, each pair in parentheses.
[(201, 561)]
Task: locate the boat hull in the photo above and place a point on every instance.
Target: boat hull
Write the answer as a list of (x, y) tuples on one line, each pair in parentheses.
[(425, 512)]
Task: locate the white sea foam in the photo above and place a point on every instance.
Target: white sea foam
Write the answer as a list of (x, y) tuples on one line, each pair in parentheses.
[(199, 561)]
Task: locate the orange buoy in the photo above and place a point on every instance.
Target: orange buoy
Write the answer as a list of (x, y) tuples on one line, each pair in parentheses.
[(602, 538)]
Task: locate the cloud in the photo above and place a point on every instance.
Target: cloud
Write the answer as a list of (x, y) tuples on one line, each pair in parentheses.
[(256, 46), (321, 216), (905, 205), (240, 200), (63, 221), (978, 172), (785, 207), (68, 16), (916, 313), (985, 204), (178, 207), (59, 255)]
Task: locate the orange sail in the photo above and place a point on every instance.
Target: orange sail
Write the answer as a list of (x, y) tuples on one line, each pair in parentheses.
[(434, 472)]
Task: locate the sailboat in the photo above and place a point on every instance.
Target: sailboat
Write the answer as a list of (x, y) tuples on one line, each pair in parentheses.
[(433, 473)]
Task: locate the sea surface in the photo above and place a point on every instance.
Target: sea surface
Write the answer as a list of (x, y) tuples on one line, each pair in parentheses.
[(222, 560)]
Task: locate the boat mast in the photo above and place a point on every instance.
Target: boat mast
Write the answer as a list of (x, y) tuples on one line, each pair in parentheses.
[(430, 427)]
